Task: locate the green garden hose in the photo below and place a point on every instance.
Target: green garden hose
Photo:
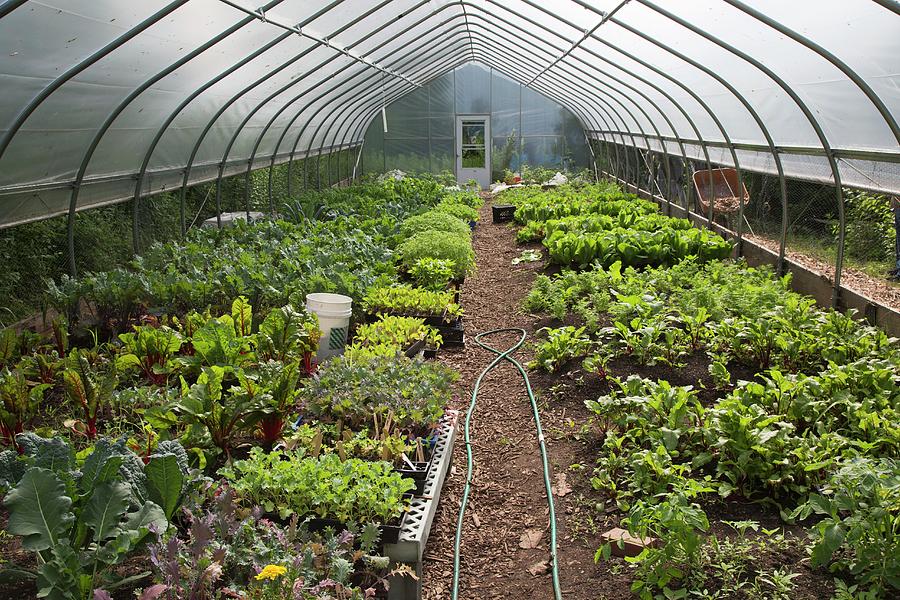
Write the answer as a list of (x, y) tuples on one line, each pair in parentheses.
[(505, 355)]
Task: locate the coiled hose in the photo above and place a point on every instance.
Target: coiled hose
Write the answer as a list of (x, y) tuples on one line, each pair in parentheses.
[(507, 356)]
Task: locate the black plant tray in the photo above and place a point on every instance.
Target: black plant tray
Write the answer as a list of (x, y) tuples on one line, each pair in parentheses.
[(418, 475), (503, 212), (414, 349), (452, 333), (430, 353), (390, 533)]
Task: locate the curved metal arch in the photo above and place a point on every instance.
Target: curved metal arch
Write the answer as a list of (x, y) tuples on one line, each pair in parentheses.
[(551, 93), (268, 125), (515, 78), (372, 93), (649, 100), (361, 111), (353, 118), (200, 90), (370, 97), (498, 18), (339, 52), (587, 33), (690, 92), (296, 80), (123, 104), (422, 44), (817, 127), (606, 18), (361, 120), (234, 99), (744, 102), (588, 99), (326, 41), (39, 98), (378, 92), (259, 106), (443, 36), (563, 101), (843, 67), (405, 59), (9, 6)]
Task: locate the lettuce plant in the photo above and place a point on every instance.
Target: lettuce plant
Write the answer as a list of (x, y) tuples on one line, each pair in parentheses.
[(458, 210), (432, 273), (350, 491), (395, 332), (410, 301), (434, 220), (439, 244)]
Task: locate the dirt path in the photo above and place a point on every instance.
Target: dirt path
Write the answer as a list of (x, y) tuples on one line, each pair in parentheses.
[(507, 498)]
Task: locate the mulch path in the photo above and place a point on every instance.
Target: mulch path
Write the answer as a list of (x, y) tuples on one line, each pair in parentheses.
[(507, 498)]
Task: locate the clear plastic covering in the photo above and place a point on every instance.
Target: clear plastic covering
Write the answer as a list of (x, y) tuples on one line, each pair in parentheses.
[(103, 98), (526, 127)]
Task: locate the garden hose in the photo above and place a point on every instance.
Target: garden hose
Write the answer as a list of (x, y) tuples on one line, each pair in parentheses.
[(505, 355)]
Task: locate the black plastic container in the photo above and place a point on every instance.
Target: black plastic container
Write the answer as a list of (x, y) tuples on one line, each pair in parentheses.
[(503, 213), (418, 473)]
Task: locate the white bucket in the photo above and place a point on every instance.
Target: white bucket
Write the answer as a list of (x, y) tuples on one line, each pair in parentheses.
[(333, 311)]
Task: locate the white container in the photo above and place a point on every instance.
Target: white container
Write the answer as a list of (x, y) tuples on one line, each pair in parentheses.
[(333, 311)]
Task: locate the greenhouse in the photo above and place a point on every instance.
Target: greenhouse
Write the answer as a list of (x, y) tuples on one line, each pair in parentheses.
[(431, 299)]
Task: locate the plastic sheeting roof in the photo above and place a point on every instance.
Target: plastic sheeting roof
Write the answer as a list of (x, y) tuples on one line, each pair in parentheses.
[(104, 100)]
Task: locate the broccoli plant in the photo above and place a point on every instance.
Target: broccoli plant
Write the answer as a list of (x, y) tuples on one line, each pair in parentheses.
[(81, 520)]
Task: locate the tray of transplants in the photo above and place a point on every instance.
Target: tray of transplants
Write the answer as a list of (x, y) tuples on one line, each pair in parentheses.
[(363, 448), (436, 308)]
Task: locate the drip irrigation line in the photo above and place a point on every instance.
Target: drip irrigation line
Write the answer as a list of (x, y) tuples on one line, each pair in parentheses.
[(507, 356)]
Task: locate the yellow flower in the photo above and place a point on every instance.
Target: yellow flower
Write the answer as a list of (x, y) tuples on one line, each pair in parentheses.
[(271, 572)]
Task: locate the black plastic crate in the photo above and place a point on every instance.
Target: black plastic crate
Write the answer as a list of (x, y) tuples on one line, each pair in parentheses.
[(503, 212)]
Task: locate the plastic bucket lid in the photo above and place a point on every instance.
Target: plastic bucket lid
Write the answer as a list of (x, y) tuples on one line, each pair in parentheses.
[(329, 305)]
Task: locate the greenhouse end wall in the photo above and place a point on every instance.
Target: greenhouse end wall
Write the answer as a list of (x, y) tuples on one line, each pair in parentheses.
[(526, 127)]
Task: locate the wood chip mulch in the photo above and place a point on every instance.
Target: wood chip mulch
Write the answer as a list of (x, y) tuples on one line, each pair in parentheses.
[(505, 544)]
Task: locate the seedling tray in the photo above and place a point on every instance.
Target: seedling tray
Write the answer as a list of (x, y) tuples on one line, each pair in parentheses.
[(418, 474), (390, 534), (452, 332)]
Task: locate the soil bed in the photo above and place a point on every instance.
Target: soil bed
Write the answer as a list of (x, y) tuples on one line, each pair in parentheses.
[(507, 500)]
